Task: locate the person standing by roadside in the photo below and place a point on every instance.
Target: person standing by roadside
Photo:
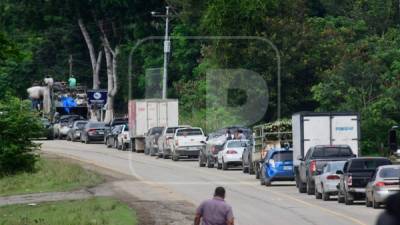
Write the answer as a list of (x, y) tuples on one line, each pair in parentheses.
[(215, 211)]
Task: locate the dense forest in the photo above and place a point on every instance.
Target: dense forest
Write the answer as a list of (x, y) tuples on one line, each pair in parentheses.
[(335, 55)]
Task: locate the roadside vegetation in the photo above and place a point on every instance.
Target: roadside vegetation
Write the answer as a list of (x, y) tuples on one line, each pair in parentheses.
[(94, 211), (49, 175)]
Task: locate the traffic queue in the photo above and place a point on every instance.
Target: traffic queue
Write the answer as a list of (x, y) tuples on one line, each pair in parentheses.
[(319, 151)]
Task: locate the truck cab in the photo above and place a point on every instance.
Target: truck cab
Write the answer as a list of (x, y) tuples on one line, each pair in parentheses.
[(187, 142)]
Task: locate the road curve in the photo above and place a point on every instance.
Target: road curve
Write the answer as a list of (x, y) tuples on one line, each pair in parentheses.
[(252, 203)]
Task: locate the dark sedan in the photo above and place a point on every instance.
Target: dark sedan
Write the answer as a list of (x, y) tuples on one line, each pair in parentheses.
[(93, 131)]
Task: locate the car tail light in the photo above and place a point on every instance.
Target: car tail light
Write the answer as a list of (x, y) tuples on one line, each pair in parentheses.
[(313, 166), (92, 131), (333, 177), (231, 152), (380, 184), (350, 181)]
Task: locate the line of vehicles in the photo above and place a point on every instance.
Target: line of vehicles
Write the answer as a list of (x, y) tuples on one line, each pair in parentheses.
[(319, 151)]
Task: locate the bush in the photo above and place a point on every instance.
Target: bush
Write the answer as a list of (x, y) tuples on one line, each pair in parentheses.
[(18, 125)]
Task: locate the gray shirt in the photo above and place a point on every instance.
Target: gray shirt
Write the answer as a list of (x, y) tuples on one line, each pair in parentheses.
[(215, 212)]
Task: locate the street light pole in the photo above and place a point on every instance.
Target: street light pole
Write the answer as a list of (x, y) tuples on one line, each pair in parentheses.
[(167, 48)]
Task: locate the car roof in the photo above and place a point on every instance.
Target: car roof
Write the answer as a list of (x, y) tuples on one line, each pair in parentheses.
[(389, 166), (368, 157), (331, 146)]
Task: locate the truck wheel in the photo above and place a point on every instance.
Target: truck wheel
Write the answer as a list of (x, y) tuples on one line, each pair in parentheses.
[(132, 145), (310, 189), (251, 166), (347, 199), (340, 197), (244, 168), (301, 186), (123, 146)]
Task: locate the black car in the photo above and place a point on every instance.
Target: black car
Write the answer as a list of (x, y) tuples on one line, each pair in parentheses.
[(215, 142), (75, 130), (93, 131), (355, 176)]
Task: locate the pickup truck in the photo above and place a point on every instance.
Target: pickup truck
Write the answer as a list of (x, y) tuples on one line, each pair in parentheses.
[(314, 161), (187, 142), (355, 176)]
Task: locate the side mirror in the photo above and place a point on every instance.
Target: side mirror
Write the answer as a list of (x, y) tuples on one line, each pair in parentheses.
[(203, 142), (300, 158), (339, 172)]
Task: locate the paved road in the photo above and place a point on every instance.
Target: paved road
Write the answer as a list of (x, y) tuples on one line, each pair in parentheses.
[(253, 204)]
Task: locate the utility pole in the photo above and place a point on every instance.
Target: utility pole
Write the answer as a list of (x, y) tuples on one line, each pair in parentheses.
[(167, 50)]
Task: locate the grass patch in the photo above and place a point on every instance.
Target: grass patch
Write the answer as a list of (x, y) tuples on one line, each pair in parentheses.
[(51, 175), (94, 211)]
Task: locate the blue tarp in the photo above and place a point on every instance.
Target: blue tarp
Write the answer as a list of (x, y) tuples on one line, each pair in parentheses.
[(67, 103)]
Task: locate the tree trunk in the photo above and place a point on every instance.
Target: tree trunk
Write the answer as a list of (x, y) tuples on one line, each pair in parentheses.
[(96, 63), (112, 81)]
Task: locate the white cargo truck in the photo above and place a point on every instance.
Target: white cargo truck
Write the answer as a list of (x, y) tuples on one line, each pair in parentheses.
[(333, 128), (147, 113)]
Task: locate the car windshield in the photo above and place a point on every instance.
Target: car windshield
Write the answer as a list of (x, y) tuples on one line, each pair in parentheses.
[(80, 125), (156, 130), (283, 156), (332, 152), (335, 166), (96, 125), (390, 173), (367, 164), (171, 130), (189, 132), (236, 144)]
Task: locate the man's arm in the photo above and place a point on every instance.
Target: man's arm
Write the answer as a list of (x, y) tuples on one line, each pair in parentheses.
[(197, 219)]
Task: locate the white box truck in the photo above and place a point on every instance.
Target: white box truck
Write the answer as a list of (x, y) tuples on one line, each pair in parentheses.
[(147, 113), (319, 138)]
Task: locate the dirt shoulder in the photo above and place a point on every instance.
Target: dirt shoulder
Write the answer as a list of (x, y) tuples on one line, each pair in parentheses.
[(154, 205)]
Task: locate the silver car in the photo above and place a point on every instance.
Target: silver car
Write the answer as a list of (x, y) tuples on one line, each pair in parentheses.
[(164, 145), (384, 183), (326, 183)]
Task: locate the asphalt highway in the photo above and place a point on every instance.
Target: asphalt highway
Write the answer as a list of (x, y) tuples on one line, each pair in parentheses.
[(253, 204)]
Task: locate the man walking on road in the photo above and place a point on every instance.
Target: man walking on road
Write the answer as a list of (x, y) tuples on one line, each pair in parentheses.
[(215, 211)]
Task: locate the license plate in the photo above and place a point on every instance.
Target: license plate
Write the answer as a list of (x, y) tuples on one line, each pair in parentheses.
[(100, 132), (287, 168), (192, 148)]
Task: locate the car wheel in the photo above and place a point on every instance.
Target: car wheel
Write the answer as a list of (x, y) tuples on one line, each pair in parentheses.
[(209, 164), (375, 204), (325, 196), (123, 146), (368, 203), (165, 156), (224, 165), (219, 166), (257, 172), (244, 168), (340, 197), (87, 141), (108, 144), (347, 199), (262, 177), (310, 189), (174, 157), (201, 163), (317, 194)]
